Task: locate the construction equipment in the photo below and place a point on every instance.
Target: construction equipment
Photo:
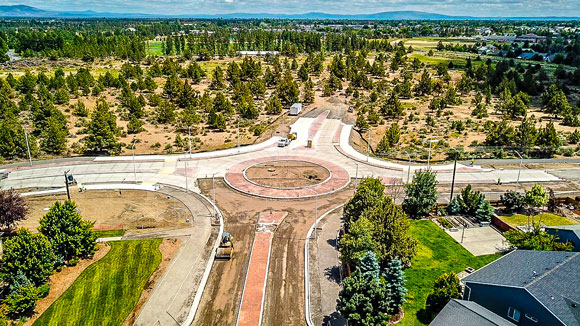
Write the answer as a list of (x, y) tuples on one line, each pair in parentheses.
[(292, 136), (226, 247)]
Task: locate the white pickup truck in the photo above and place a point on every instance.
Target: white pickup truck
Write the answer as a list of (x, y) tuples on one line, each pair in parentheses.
[(284, 142)]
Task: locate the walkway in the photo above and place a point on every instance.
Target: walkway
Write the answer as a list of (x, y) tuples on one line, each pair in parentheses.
[(254, 288), (325, 272), (171, 299)]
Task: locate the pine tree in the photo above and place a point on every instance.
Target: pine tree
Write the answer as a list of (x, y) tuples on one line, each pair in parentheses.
[(102, 130), (369, 266), (53, 137), (421, 194), (395, 279)]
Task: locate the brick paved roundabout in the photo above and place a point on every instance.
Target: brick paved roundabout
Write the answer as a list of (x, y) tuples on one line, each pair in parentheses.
[(235, 178)]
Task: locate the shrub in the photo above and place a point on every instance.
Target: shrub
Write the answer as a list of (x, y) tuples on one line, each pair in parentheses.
[(446, 287), (22, 301), (513, 201)]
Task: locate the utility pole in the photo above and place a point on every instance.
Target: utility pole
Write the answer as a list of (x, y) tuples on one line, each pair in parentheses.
[(409, 170), (66, 184), (453, 179), (28, 148)]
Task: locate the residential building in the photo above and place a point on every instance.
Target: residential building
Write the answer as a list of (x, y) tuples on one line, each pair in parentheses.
[(566, 233), (529, 288), (467, 313)]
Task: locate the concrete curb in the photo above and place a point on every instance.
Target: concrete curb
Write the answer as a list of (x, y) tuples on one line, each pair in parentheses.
[(306, 268), (198, 294)]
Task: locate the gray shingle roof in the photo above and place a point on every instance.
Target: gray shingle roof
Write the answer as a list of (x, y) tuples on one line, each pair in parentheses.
[(467, 313), (553, 277), (574, 228)]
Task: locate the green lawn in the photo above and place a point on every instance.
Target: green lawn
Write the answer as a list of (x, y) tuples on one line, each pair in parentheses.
[(437, 253), (106, 292), (110, 233), (155, 48), (436, 60), (543, 218)]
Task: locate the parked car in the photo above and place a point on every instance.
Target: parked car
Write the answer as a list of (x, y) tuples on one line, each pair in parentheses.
[(283, 142)]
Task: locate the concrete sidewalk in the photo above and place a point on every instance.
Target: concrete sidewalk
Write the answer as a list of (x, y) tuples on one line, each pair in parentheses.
[(173, 295)]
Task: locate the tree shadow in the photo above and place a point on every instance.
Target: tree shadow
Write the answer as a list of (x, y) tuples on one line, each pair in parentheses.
[(333, 273), (425, 316), (332, 242), (334, 319)]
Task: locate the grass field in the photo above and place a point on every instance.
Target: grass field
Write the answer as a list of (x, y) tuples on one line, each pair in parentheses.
[(437, 253), (543, 218), (106, 292), (435, 60), (110, 233), (155, 48)]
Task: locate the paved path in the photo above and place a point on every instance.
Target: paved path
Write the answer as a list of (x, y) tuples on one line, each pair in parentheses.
[(327, 270), (255, 285), (172, 297)]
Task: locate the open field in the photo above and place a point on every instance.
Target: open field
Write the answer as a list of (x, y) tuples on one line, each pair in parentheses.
[(287, 174), (134, 211), (437, 253), (155, 48), (106, 292), (547, 219)]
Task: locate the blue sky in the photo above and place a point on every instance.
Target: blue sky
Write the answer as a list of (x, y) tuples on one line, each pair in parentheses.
[(494, 8)]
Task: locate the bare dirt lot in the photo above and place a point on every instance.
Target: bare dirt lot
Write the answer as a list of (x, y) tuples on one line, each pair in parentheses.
[(287, 174), (134, 210), (284, 303)]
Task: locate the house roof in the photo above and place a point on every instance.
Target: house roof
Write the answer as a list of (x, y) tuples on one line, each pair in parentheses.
[(467, 313), (552, 277), (574, 228)]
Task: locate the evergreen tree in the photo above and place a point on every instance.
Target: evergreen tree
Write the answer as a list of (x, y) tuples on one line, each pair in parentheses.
[(70, 235), (102, 130), (395, 279), (421, 194), (217, 81), (446, 288), (274, 106), (53, 137), (29, 253)]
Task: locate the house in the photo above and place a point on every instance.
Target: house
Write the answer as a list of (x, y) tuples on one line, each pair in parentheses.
[(529, 287), (295, 109), (257, 53), (566, 233), (530, 56), (467, 313)]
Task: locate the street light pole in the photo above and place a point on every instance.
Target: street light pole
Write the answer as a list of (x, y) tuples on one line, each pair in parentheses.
[(28, 148), (213, 185), (134, 166), (431, 141), (186, 177), (520, 169), (189, 139), (238, 135), (453, 179)]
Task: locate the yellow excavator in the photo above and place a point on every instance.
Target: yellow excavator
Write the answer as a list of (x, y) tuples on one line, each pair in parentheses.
[(226, 247)]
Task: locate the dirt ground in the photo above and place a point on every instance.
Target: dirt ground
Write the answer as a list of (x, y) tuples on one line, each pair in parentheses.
[(61, 281), (285, 286), (168, 248), (285, 174), (137, 211)]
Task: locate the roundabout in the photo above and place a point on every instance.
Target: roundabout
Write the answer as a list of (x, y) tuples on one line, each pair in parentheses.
[(287, 177)]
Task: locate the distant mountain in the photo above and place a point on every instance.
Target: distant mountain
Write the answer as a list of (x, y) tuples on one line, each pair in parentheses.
[(31, 12)]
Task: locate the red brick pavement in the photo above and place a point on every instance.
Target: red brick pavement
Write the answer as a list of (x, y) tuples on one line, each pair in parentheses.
[(253, 297), (315, 126), (272, 217), (339, 178)]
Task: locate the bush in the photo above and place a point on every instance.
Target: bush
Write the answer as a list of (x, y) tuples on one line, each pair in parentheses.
[(22, 301), (513, 201), (446, 287), (43, 290)]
